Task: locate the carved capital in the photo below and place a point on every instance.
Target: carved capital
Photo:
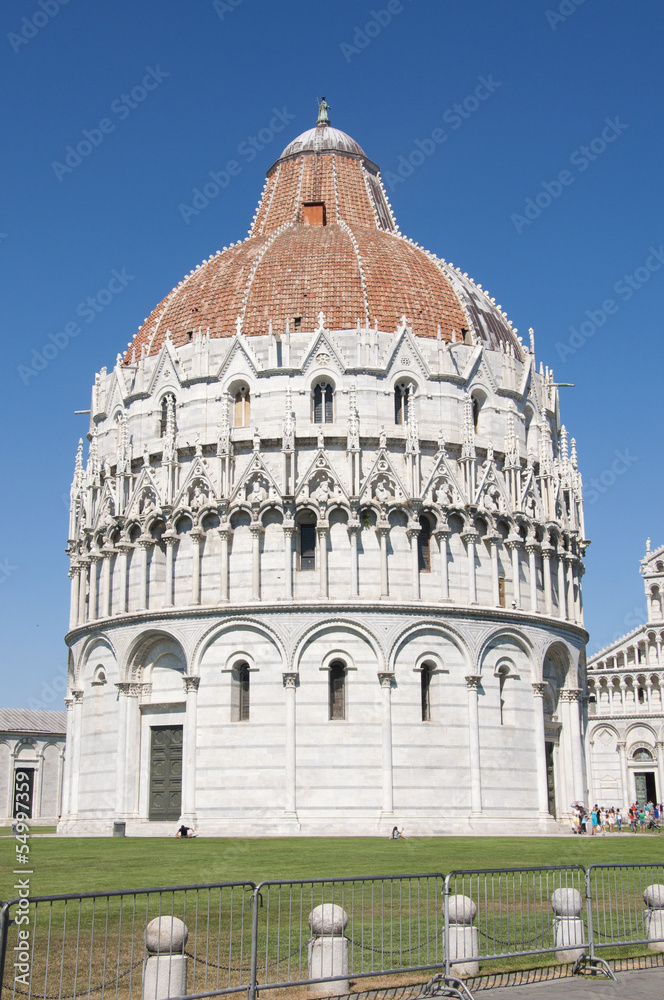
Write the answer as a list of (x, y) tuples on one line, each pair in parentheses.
[(289, 530), (571, 694), (77, 697), (470, 536), (124, 689), (290, 679), (532, 547), (169, 538), (473, 681), (622, 745), (539, 689), (190, 683), (385, 678)]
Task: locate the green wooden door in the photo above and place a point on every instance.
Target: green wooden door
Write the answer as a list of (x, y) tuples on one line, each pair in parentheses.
[(166, 773)]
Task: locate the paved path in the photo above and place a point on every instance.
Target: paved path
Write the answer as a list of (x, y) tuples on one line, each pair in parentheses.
[(645, 985)]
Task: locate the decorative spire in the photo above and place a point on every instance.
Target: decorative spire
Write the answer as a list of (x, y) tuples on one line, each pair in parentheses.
[(323, 108), (563, 445), (468, 450), (78, 468), (288, 441)]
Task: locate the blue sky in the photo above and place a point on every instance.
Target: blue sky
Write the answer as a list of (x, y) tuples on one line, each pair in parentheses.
[(546, 189)]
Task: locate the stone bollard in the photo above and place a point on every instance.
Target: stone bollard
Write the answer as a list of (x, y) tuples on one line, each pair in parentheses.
[(653, 897), (464, 938), (568, 926), (328, 949), (165, 969)]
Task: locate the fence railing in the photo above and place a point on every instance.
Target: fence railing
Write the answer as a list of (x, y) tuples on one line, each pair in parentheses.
[(207, 940)]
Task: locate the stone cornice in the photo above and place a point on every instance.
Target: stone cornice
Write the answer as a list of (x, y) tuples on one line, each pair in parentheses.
[(484, 614)]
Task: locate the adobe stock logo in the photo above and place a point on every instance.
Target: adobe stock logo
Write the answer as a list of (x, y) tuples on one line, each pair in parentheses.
[(31, 26)]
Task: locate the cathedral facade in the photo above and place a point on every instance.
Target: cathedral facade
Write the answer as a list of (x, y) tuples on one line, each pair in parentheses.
[(326, 544), (625, 748)]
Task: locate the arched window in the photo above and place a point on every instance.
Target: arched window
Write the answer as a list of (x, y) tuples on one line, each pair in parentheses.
[(307, 541), (323, 403), (240, 692), (642, 754), (425, 690), (424, 545), (476, 412), (337, 690), (507, 692), (242, 415), (168, 399), (402, 399)]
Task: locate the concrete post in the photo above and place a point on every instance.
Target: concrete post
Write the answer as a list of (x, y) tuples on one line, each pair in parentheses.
[(165, 968), (328, 950), (653, 897), (463, 936), (568, 929)]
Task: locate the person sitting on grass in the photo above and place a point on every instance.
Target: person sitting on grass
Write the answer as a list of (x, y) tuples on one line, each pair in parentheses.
[(185, 832)]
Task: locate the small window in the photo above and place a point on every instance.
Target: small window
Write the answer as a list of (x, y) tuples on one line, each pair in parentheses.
[(240, 693), (476, 413), (323, 403), (425, 685), (424, 545), (503, 674), (307, 531), (401, 402), (313, 213), (168, 400), (337, 690), (501, 591), (242, 407), (297, 322)]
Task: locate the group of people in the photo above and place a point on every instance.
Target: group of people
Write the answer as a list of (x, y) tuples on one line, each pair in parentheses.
[(598, 821)]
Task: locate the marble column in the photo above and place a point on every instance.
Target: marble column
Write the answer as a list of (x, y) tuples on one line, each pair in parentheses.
[(133, 729), (197, 538), (122, 757), (413, 535), (547, 551), (143, 543), (121, 565), (289, 531), (442, 536), (354, 528), (386, 679), (105, 609), (66, 780), (472, 685), (562, 600), (470, 538), (622, 751), (225, 533), (513, 544), (590, 775), (256, 530), (189, 749), (494, 542), (539, 690), (83, 590), (290, 801), (323, 531), (73, 596), (170, 539), (383, 530), (95, 559), (77, 698), (573, 696), (569, 565), (532, 551)]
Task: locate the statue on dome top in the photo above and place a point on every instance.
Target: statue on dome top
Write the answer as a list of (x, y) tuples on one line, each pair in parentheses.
[(323, 108)]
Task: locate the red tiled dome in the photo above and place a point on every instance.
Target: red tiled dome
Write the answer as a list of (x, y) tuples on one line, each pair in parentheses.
[(324, 239)]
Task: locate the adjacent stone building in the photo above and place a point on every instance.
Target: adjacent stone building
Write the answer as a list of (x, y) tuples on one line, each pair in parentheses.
[(32, 745), (625, 706), (327, 544)]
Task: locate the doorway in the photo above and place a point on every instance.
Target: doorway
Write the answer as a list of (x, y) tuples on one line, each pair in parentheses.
[(165, 773), (645, 787)]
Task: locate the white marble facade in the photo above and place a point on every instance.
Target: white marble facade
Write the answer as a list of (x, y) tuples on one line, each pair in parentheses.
[(360, 614), (32, 741), (625, 705)]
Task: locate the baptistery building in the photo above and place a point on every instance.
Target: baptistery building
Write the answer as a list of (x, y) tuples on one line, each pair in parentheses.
[(326, 543)]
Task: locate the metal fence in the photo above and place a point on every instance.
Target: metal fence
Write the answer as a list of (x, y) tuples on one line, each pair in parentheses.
[(205, 940)]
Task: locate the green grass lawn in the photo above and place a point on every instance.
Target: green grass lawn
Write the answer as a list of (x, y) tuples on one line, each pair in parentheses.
[(62, 865)]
